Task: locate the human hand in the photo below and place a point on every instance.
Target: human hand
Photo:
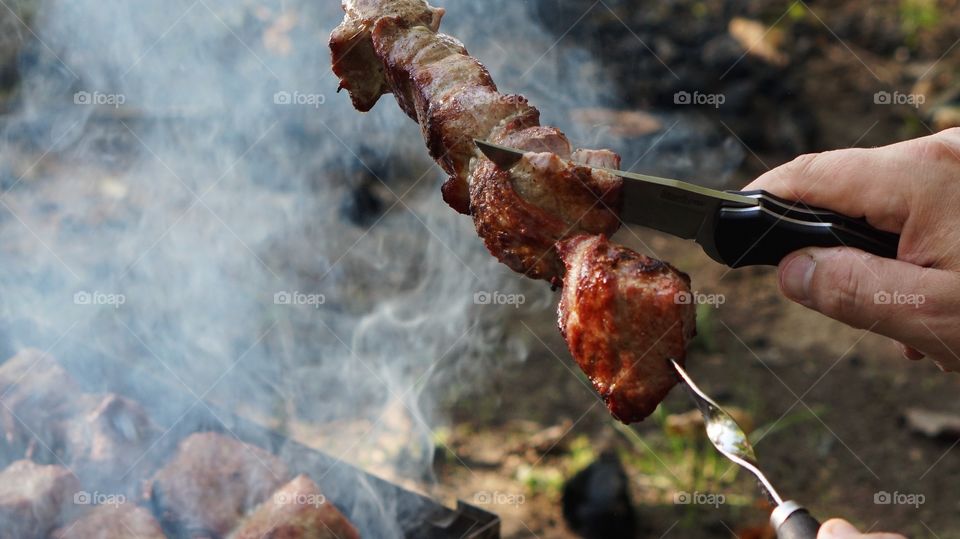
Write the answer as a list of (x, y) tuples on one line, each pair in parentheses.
[(841, 529), (911, 188)]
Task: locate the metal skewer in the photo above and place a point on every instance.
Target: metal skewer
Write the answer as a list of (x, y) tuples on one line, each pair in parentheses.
[(789, 519)]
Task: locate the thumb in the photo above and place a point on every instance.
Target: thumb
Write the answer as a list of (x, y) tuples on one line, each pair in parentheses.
[(841, 529), (837, 529), (890, 297)]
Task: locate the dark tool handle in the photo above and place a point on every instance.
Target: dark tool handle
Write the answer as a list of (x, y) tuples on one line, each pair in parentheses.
[(763, 235), (799, 525)]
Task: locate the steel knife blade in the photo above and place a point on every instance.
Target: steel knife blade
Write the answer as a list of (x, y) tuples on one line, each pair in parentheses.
[(736, 228)]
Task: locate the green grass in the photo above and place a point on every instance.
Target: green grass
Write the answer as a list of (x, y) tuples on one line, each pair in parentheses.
[(581, 454), (797, 12), (801, 415), (548, 480), (917, 16), (541, 480), (442, 438), (700, 10), (671, 463), (675, 462), (706, 339)]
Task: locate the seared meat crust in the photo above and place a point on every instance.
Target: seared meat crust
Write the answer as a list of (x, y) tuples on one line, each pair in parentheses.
[(212, 482), (354, 60), (298, 510), (121, 521), (623, 315), (522, 213), (34, 499), (449, 93)]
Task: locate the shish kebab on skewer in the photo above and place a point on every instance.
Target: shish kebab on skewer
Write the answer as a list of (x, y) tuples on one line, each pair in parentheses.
[(551, 196), (546, 210)]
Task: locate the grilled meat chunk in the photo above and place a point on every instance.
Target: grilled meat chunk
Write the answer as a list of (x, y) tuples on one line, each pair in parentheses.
[(298, 510), (107, 442), (121, 521), (47, 418), (34, 499), (37, 396), (546, 197), (212, 481), (623, 315), (449, 93), (354, 60)]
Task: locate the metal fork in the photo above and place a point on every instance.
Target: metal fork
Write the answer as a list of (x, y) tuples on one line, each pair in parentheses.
[(790, 519)]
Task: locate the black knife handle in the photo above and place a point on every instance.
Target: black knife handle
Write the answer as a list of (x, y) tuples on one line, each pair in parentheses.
[(799, 525), (764, 235)]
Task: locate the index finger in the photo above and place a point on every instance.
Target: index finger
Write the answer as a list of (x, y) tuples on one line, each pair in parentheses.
[(873, 183)]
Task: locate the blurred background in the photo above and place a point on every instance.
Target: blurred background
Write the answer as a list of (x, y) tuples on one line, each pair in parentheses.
[(186, 201)]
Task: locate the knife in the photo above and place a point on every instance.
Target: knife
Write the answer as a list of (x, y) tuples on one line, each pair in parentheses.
[(735, 228)]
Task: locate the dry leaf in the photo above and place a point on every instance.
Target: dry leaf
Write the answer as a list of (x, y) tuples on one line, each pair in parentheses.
[(758, 40)]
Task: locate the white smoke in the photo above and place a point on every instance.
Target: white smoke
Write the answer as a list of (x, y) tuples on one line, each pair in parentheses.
[(174, 181)]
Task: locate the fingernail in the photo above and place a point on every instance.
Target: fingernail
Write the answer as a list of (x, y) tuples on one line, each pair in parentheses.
[(795, 277)]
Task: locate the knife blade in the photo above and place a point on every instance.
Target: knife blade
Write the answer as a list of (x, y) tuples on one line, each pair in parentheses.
[(735, 228)]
